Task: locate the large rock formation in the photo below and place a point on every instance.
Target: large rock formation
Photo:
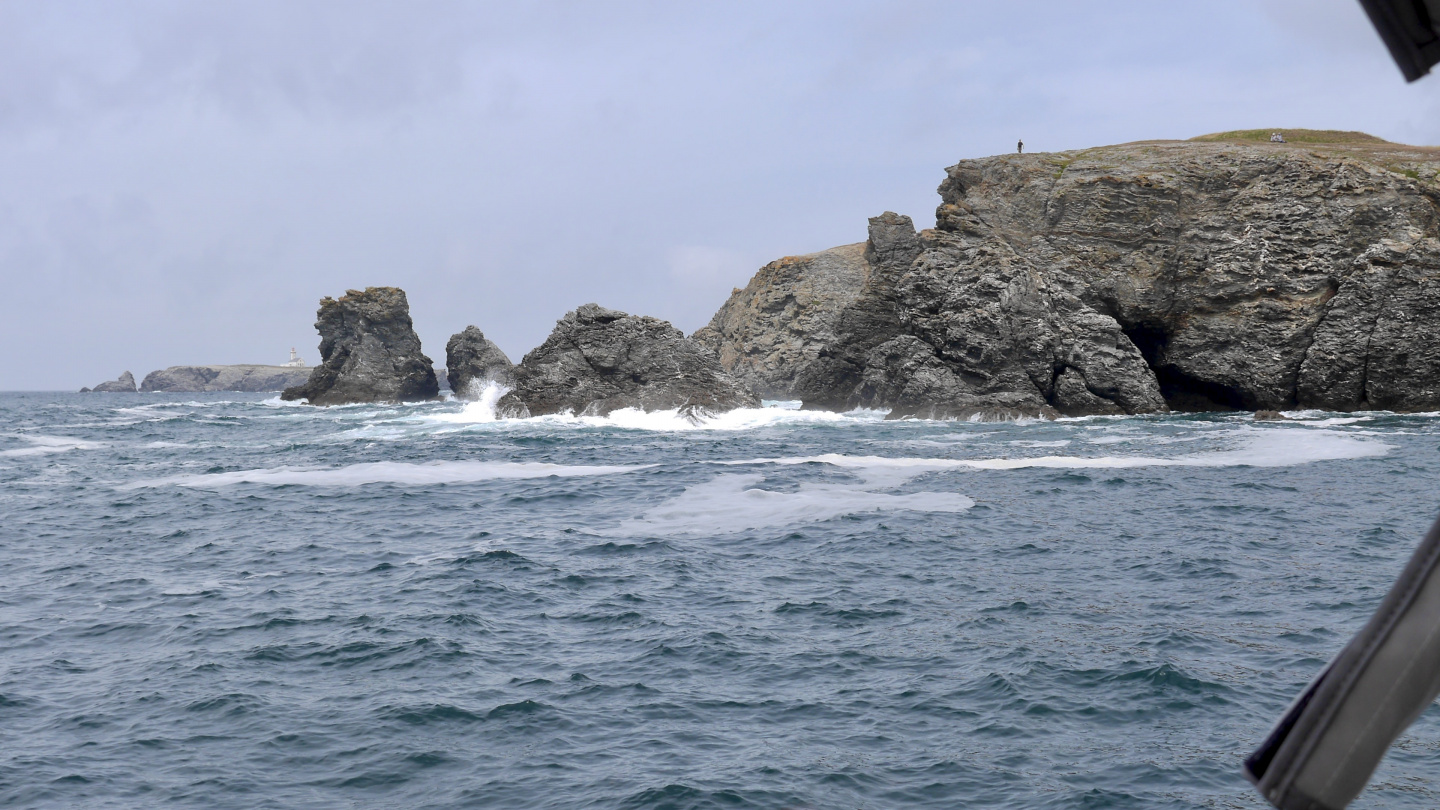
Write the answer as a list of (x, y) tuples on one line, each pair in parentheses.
[(472, 360), (599, 360), (253, 378), (124, 385), (369, 352), (785, 317), (1126, 279)]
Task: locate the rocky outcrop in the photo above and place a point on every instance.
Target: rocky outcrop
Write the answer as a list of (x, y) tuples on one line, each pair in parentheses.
[(124, 385), (784, 317), (599, 360), (472, 360), (1129, 279), (956, 333), (244, 377), (369, 352)]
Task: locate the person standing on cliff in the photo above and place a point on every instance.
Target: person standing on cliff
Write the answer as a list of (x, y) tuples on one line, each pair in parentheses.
[(1020, 147)]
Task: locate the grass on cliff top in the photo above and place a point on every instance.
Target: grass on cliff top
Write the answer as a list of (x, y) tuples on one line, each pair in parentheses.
[(1293, 136)]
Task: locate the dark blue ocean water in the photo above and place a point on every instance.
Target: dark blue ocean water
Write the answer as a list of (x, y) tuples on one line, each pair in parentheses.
[(223, 602)]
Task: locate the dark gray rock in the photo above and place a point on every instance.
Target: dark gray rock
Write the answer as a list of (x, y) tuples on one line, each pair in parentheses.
[(369, 352), (948, 325), (1265, 276), (599, 360), (124, 385), (243, 377), (472, 360), (1125, 279)]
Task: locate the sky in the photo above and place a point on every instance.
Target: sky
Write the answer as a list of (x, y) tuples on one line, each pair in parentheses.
[(181, 182)]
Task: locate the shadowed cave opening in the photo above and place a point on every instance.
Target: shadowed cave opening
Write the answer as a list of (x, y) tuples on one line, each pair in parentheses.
[(1181, 391)]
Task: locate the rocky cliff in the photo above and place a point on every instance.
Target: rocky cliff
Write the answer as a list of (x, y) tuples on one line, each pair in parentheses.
[(369, 352), (244, 377), (785, 317), (600, 360), (472, 360), (1124, 279), (124, 385)]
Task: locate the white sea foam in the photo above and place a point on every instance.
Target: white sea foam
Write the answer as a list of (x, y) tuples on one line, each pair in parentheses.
[(390, 472), (733, 503), (1334, 421), (277, 402), (1257, 448), (482, 411), (44, 445)]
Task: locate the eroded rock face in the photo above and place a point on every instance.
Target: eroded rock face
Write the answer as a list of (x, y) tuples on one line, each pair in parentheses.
[(784, 317), (472, 360), (244, 377), (369, 352), (600, 360), (944, 329), (1251, 276), (124, 385), (1128, 279)]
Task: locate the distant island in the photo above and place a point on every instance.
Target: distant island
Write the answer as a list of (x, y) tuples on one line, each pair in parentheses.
[(247, 377)]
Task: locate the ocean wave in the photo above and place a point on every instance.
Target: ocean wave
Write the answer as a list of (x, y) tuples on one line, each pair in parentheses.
[(45, 445), (389, 472)]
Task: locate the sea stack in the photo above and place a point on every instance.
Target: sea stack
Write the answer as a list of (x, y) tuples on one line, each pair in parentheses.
[(472, 360), (124, 385), (369, 352), (1215, 274), (599, 360)]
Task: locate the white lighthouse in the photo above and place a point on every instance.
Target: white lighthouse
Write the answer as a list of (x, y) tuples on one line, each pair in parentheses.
[(295, 361)]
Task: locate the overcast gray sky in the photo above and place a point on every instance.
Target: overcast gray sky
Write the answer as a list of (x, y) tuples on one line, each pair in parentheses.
[(180, 182)]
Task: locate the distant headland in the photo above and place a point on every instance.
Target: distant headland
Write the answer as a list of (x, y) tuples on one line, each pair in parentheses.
[(1265, 269)]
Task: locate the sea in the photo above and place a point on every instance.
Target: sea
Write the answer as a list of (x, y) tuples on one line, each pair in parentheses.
[(229, 601)]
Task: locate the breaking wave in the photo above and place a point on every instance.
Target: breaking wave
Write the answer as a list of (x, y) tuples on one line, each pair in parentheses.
[(482, 410)]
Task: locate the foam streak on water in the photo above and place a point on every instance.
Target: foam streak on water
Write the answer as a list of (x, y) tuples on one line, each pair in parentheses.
[(226, 601)]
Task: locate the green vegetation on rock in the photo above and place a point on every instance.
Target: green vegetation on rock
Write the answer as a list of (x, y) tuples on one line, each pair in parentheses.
[(1293, 136)]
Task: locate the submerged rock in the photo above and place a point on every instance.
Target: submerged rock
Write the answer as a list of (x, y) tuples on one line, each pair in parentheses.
[(124, 385), (369, 352), (600, 360), (1125, 279), (242, 377), (472, 360)]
